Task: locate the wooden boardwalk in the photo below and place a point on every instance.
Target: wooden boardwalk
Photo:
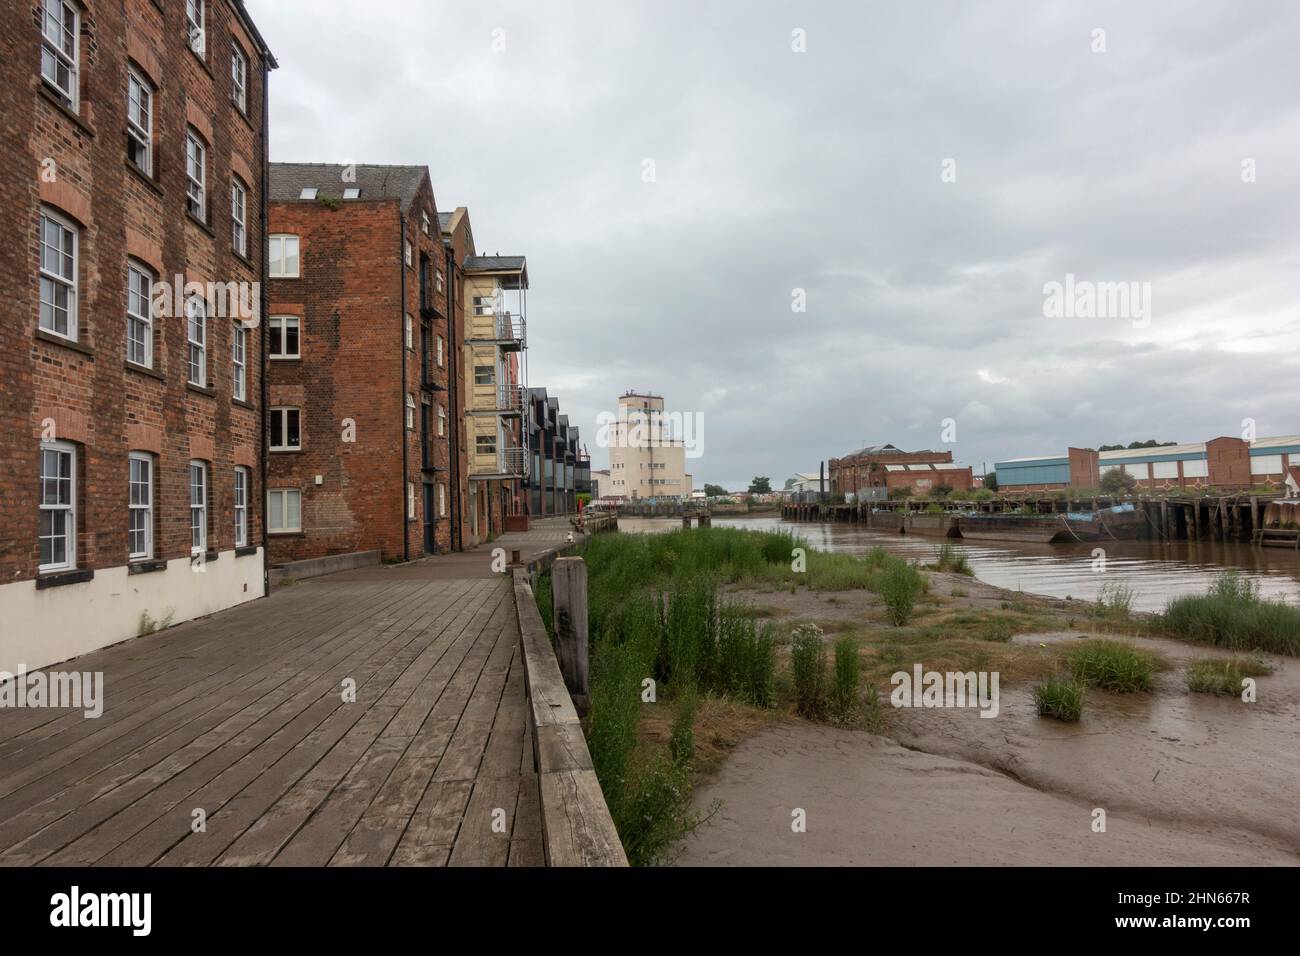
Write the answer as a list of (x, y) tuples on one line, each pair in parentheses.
[(240, 720)]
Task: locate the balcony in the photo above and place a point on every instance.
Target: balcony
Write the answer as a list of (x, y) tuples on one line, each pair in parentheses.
[(505, 330), (508, 402), (510, 463)]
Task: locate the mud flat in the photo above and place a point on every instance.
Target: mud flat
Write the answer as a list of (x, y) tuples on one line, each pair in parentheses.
[(870, 801), (1185, 779)]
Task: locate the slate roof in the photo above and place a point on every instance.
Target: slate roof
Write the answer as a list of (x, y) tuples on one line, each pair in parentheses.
[(375, 182)]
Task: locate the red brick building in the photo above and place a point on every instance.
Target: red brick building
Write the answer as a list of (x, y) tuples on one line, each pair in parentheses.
[(885, 466), (130, 359), (365, 395)]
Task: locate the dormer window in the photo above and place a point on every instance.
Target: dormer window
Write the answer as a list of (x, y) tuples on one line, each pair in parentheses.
[(309, 192)]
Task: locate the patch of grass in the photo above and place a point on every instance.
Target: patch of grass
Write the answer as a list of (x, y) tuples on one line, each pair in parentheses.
[(1114, 604), (1113, 665), (1224, 676), (1234, 616), (746, 660), (960, 592), (1060, 697), (952, 560)]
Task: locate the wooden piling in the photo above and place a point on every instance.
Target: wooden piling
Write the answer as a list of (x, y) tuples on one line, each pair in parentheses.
[(569, 590)]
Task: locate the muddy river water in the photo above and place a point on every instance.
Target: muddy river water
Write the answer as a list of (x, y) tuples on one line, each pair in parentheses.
[(1155, 570)]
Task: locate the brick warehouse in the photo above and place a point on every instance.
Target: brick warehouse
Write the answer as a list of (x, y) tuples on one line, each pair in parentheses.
[(130, 461), (365, 396), (888, 467)]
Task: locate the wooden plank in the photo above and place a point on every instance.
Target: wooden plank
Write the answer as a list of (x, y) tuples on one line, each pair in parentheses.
[(575, 820), (484, 835)]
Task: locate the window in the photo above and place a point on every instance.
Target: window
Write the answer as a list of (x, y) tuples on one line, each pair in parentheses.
[(194, 25), (198, 507), (410, 499), (284, 257), (238, 77), (439, 343), (58, 275), (139, 122), (60, 30), (284, 510), (1266, 465), (308, 192), (241, 507), (238, 216), (351, 192), (140, 480), (442, 500), (439, 275), (485, 444), (484, 374), (239, 362), (195, 197), (139, 319), (284, 336), (410, 410), (58, 524), (285, 434), (197, 333), (424, 222), (410, 332), (406, 251), (442, 421)]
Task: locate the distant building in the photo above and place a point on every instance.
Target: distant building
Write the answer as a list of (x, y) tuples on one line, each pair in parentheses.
[(805, 481), (886, 466), (600, 483), (1223, 462), (645, 461)]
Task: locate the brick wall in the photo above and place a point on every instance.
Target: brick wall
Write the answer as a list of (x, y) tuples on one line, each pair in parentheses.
[(75, 163)]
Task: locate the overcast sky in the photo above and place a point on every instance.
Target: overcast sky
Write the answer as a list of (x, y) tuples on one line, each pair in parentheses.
[(824, 170)]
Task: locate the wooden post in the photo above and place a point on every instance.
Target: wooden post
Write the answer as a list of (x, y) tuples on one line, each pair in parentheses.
[(569, 591), (686, 522)]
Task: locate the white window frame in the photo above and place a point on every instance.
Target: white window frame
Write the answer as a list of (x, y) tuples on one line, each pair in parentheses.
[(239, 216), (238, 77), (424, 221), (242, 484), (410, 332), (440, 356), (282, 412), (196, 158), (69, 508), (239, 361), (442, 421), (284, 322), (410, 500), (407, 252), (54, 52), (195, 29), (196, 335), (352, 192), (281, 242), (139, 314), (198, 485), (283, 494), (66, 228), (139, 117), (145, 508), (410, 412), (442, 500)]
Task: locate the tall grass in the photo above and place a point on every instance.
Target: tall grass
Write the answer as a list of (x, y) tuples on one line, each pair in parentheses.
[(900, 586), (952, 560), (1234, 615), (1060, 697), (746, 660), (808, 669), (1113, 665), (846, 675), (1114, 604)]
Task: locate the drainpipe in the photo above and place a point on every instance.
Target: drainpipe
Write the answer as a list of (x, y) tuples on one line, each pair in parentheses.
[(264, 304), (401, 330), (453, 437)]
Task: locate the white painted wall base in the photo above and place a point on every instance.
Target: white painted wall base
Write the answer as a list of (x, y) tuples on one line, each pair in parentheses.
[(39, 628)]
